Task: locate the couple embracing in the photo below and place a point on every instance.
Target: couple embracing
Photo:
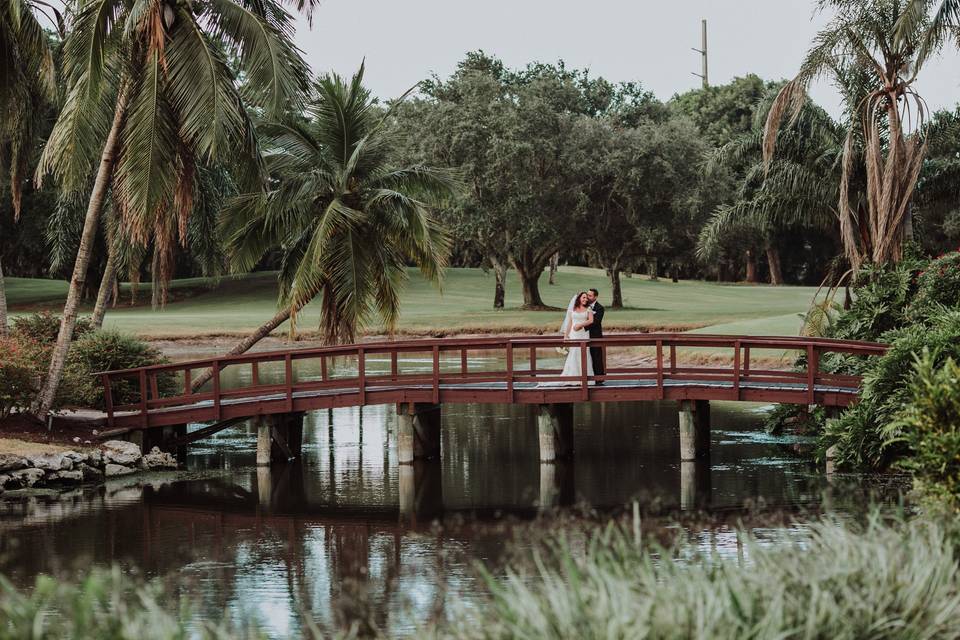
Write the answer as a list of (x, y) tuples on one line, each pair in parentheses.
[(584, 319)]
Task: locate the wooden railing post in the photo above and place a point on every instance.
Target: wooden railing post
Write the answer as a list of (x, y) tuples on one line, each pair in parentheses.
[(509, 371), (288, 377), (673, 358), (362, 375), (463, 363), (736, 369), (746, 361), (813, 366), (436, 373), (660, 392), (533, 361), (394, 367), (255, 373), (187, 381), (216, 389), (108, 398), (143, 397), (585, 391)]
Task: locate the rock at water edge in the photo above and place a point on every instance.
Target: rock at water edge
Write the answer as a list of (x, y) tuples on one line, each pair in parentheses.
[(121, 452), (117, 470)]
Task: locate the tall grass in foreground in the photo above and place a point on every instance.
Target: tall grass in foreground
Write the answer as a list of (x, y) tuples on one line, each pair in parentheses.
[(875, 581), (879, 580)]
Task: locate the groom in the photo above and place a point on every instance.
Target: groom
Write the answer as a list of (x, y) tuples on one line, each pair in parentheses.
[(596, 331)]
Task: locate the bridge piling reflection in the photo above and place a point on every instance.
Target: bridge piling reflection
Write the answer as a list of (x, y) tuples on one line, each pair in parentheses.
[(420, 488)]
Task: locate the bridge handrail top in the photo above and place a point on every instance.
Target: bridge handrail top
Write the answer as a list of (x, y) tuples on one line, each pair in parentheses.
[(639, 339)]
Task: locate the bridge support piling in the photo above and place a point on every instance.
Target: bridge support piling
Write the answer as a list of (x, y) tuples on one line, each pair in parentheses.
[(555, 429), (418, 433), (556, 485), (279, 438), (420, 489), (694, 429), (695, 487)]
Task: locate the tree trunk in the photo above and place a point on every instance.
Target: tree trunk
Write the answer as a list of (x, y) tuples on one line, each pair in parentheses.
[(616, 301), (77, 281), (3, 305), (531, 289), (751, 266), (244, 345), (554, 265), (106, 290), (773, 259), (500, 273), (674, 273), (653, 266)]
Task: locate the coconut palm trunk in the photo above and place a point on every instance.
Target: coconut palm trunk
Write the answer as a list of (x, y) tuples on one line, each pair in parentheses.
[(244, 345), (3, 304), (77, 281), (106, 290)]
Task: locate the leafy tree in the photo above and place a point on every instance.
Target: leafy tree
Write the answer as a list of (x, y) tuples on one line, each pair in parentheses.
[(149, 97)]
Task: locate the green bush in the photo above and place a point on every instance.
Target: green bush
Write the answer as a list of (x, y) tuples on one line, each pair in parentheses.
[(863, 435), (43, 327), (938, 286), (929, 425), (104, 351), (20, 374)]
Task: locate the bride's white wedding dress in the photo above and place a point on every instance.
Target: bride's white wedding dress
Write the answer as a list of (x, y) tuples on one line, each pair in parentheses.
[(572, 365)]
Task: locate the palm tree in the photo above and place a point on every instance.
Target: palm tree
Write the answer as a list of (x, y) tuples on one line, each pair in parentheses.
[(794, 190), (888, 42), (345, 220), (150, 96), (27, 79)]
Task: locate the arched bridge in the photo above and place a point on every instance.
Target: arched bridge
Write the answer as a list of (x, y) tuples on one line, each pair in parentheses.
[(421, 375)]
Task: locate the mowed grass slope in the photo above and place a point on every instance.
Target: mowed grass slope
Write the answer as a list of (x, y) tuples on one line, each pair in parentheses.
[(464, 304)]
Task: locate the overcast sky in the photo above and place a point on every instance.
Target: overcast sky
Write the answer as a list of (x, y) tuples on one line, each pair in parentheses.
[(404, 41)]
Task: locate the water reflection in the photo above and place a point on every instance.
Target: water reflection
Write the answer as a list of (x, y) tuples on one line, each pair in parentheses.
[(348, 533)]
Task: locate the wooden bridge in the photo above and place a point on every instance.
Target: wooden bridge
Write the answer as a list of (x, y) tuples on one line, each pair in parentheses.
[(419, 376)]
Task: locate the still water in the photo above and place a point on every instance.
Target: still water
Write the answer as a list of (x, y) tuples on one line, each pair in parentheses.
[(348, 532)]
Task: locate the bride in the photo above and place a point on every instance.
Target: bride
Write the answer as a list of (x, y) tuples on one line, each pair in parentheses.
[(575, 327)]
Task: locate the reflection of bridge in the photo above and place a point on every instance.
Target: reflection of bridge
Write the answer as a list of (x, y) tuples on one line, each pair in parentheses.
[(424, 374)]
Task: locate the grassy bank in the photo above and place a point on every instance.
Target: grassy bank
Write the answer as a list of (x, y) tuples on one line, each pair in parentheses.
[(238, 304)]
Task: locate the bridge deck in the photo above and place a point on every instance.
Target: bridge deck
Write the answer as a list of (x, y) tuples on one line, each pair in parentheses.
[(513, 382)]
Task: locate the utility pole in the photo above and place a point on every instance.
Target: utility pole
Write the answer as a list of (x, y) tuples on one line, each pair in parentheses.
[(703, 54)]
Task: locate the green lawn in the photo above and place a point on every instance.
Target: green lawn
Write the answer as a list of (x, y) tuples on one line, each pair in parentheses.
[(238, 304)]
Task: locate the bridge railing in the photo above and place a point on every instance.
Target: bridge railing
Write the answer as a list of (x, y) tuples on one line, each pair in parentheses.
[(434, 363)]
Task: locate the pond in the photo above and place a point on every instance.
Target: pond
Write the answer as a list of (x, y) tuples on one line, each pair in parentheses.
[(348, 532)]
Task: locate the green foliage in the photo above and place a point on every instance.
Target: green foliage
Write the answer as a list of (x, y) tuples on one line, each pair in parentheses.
[(43, 327), (879, 581), (31, 342), (19, 374), (938, 286), (104, 605), (863, 435), (104, 351), (929, 425)]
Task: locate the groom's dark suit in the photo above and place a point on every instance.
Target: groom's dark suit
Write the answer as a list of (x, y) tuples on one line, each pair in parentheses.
[(596, 331)]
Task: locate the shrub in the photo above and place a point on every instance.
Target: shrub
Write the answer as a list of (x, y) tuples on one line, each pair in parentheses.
[(43, 327), (20, 372), (938, 286), (863, 435), (929, 425), (103, 351)]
